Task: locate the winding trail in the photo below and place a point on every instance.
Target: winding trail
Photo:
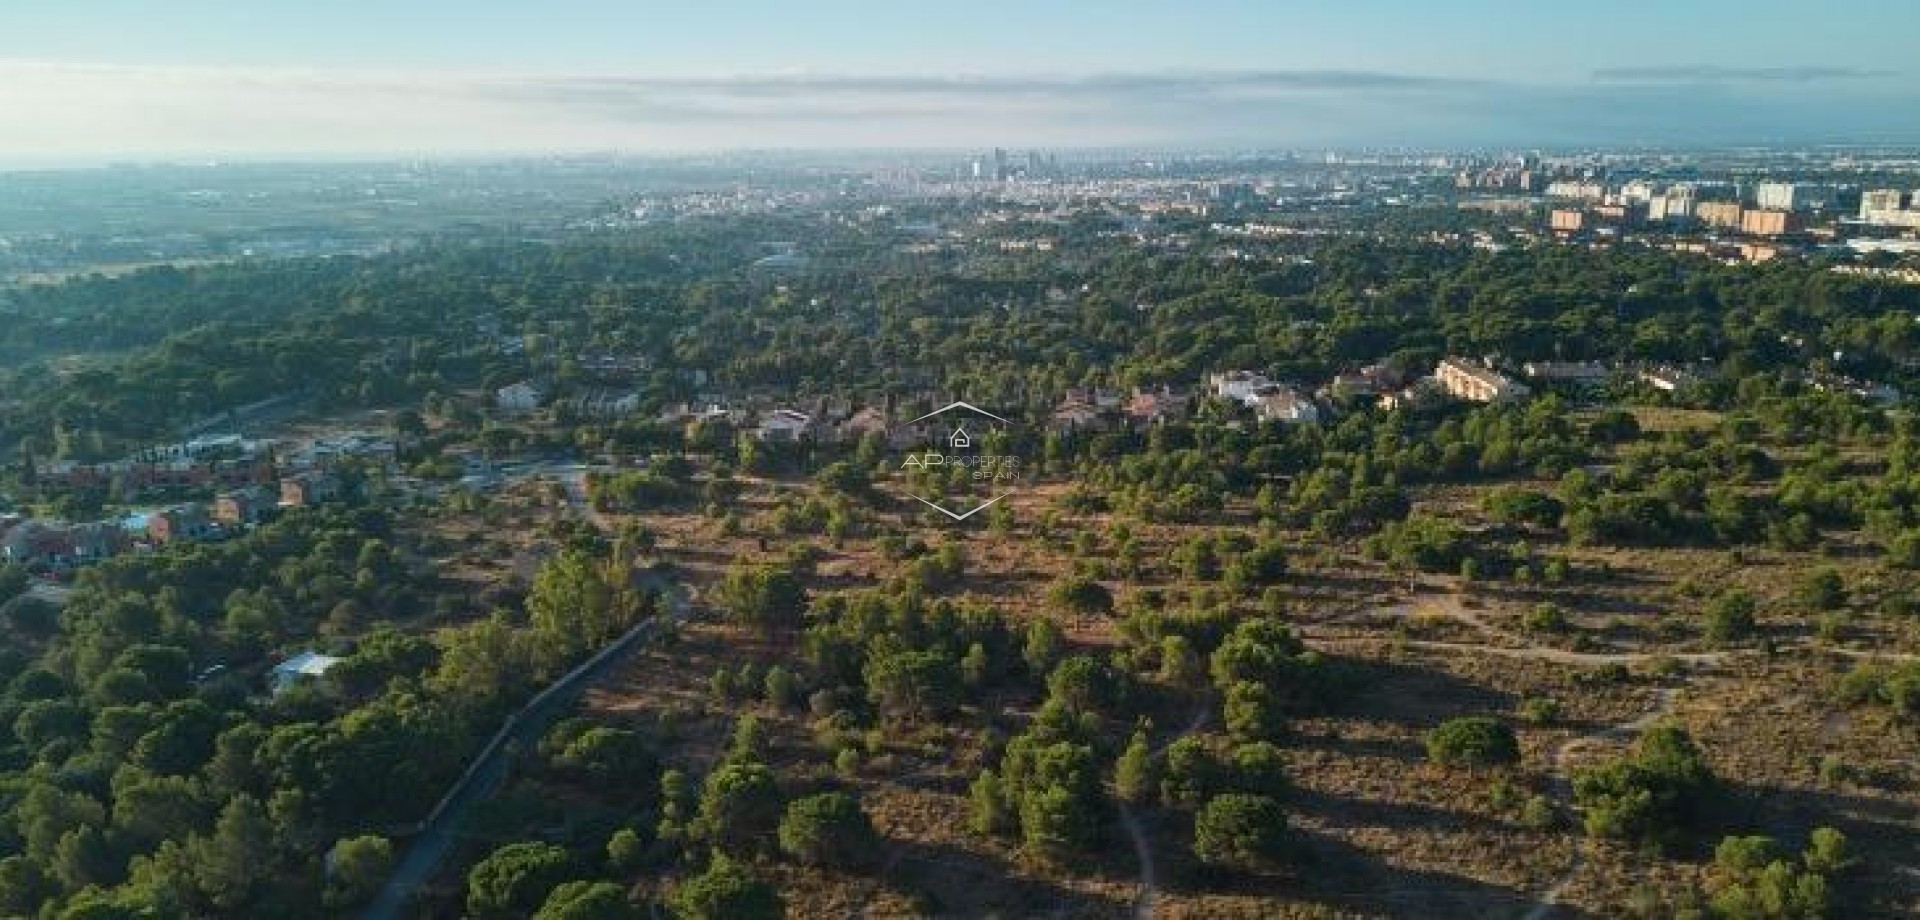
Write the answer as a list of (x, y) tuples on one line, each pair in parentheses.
[(1142, 847), (1563, 789)]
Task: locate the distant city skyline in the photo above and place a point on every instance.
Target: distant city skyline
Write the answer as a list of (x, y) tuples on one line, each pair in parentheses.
[(96, 80)]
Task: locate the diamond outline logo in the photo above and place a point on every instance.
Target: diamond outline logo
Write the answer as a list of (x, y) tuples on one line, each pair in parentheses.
[(959, 516), (957, 405)]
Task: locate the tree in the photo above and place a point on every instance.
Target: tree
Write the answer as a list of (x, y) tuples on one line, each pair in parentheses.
[(828, 829), (83, 857), (1650, 795), (1729, 617), (1133, 773), (1081, 595), (1044, 643), (1823, 589), (912, 684), (513, 880), (1055, 820), (1180, 665), (583, 900), (739, 806), (1264, 564), (1259, 768), (1252, 713), (626, 850), (609, 757), (1472, 741), (13, 581), (976, 668), (1081, 682), (23, 887), (989, 812), (780, 686), (236, 862), (1239, 831), (765, 597), (676, 806), (726, 891), (1191, 772), (356, 868)]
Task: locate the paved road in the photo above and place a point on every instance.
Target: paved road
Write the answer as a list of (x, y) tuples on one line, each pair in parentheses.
[(440, 832)]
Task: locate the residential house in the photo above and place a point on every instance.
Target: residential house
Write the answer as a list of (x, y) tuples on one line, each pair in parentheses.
[(242, 506), (1463, 379), (312, 487), (181, 522), (95, 541), (784, 425), (1577, 373), (1284, 404), (37, 544), (519, 397), (1077, 416), (306, 666), (1157, 407), (869, 420), (1365, 383), (1417, 395), (1666, 378), (1238, 386), (605, 404)]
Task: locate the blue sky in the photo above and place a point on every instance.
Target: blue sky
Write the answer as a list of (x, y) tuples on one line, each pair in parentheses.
[(99, 78)]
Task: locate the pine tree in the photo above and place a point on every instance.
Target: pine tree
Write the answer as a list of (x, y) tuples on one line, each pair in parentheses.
[(1133, 778)]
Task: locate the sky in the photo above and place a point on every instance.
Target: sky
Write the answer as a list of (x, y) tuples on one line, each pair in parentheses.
[(98, 80)]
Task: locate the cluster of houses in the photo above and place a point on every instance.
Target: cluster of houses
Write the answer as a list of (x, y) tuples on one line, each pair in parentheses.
[(833, 420), (304, 476), (203, 463)]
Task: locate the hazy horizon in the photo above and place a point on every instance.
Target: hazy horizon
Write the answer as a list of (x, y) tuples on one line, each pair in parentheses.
[(97, 81)]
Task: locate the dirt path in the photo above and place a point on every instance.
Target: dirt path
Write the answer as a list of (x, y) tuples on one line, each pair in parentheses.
[(1563, 789), (1136, 832)]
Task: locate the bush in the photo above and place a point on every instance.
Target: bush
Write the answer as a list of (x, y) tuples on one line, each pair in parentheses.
[(587, 901), (1546, 617), (1252, 714), (1472, 741), (1823, 589), (1659, 789), (739, 806), (1730, 617), (626, 850), (1260, 769), (1240, 831), (1191, 772), (827, 829), (1081, 595), (513, 880), (726, 891), (1540, 710)]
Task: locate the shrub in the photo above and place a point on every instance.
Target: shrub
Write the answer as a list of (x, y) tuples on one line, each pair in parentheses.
[(726, 891), (1730, 617), (1472, 741), (1649, 795), (512, 881), (827, 829), (1240, 831), (1546, 617)]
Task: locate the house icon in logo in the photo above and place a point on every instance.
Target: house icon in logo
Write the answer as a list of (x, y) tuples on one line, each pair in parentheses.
[(959, 438)]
